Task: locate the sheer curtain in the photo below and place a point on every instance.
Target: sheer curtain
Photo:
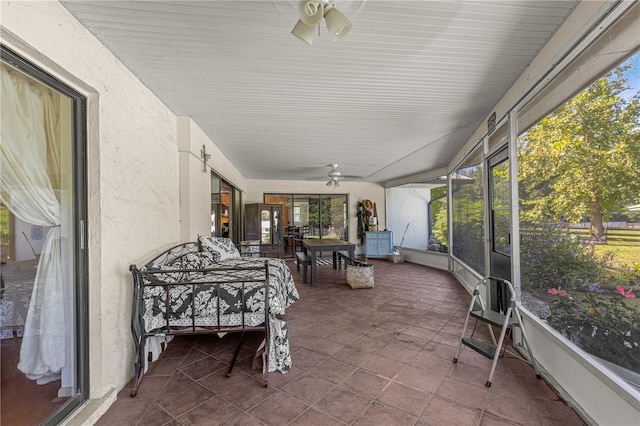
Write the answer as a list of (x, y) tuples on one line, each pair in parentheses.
[(27, 146)]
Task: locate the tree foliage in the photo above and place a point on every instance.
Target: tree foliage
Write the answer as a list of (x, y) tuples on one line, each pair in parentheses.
[(583, 160)]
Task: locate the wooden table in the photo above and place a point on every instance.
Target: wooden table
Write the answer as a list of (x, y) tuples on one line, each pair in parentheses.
[(315, 245)]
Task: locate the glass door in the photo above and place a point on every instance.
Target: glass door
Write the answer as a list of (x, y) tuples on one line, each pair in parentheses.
[(334, 217), (311, 216), (265, 225), (225, 209), (226, 205), (43, 301), (216, 206), (500, 223)]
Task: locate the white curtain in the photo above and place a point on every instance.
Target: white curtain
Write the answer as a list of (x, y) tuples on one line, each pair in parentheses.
[(28, 117)]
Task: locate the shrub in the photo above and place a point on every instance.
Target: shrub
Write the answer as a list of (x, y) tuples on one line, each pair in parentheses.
[(552, 256), (607, 326)]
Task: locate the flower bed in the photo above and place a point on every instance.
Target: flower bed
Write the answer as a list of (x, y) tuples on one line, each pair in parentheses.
[(590, 302), (604, 324)]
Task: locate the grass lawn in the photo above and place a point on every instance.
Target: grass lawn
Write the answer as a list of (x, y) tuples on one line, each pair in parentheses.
[(623, 243)]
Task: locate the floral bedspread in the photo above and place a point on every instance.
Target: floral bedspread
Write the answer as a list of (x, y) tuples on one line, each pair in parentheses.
[(216, 296)]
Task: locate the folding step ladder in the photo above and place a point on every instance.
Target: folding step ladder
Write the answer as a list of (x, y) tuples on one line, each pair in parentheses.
[(506, 321)]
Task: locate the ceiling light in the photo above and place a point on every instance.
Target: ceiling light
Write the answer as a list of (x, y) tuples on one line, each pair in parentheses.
[(337, 24), (333, 182), (312, 12), (304, 32)]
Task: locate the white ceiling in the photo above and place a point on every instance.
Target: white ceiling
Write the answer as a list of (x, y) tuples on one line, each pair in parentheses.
[(399, 94)]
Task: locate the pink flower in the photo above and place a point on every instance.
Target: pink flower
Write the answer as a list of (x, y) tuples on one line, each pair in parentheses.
[(628, 294), (557, 291)]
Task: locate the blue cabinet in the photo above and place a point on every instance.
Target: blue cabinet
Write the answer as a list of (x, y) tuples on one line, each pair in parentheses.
[(378, 244)]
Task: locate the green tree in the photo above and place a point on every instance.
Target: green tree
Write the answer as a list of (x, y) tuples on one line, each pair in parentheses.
[(439, 214), (319, 212), (583, 160)]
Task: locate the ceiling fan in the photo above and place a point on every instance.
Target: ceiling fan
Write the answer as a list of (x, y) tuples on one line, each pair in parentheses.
[(335, 176)]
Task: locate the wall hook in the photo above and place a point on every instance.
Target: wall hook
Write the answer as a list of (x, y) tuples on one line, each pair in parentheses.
[(205, 157)]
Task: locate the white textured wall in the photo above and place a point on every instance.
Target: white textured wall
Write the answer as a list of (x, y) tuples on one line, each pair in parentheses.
[(195, 184), (133, 169), (357, 191), (409, 206)]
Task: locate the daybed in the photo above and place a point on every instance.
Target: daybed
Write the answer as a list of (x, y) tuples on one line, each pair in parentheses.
[(206, 287)]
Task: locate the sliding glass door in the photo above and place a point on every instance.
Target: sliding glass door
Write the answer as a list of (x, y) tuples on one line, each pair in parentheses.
[(43, 299), (311, 216), (225, 209)]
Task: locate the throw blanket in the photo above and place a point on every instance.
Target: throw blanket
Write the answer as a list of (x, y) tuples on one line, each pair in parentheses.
[(194, 300)]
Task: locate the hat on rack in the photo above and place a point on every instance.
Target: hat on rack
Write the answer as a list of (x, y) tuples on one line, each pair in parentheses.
[(367, 204)]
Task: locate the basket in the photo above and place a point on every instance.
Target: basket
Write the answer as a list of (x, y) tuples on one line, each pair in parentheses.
[(360, 275), (395, 258)]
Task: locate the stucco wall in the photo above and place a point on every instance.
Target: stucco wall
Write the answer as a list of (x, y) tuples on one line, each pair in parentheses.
[(133, 171), (195, 180), (139, 165)]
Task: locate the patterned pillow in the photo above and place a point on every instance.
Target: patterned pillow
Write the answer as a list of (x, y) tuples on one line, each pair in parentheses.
[(223, 247), (200, 260)]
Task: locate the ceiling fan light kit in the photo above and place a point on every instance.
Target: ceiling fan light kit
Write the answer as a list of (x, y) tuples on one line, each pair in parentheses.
[(304, 32), (312, 12), (337, 24), (333, 182), (334, 175)]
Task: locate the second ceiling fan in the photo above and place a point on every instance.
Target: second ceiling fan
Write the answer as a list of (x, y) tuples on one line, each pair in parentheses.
[(335, 176)]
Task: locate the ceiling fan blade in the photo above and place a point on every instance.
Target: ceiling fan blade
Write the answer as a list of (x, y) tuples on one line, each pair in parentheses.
[(334, 175)]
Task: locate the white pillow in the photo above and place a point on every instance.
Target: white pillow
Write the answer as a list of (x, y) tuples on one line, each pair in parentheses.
[(219, 246)]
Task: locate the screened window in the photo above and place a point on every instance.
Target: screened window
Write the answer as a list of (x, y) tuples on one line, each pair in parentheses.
[(467, 210), (579, 178), (438, 219)]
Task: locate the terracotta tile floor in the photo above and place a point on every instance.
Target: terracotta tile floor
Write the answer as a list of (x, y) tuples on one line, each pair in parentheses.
[(380, 356)]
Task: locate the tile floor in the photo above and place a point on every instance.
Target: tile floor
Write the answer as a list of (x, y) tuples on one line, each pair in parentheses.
[(379, 356)]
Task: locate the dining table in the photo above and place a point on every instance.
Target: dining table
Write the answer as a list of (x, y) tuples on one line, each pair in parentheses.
[(313, 246)]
